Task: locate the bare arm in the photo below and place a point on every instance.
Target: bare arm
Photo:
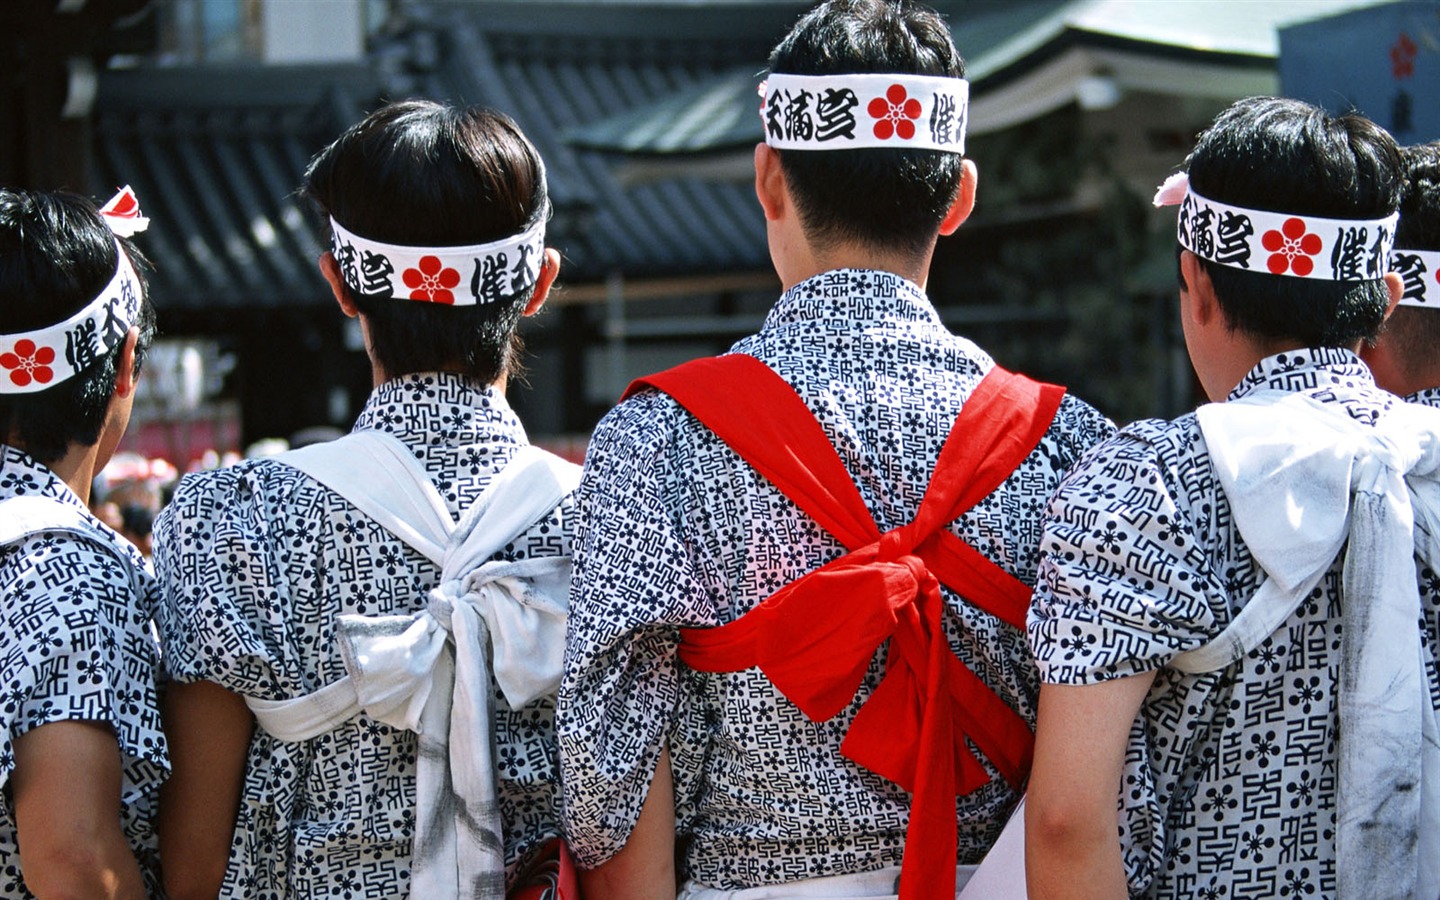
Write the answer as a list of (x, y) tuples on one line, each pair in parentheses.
[(209, 731), (1071, 845), (66, 790), (644, 869)]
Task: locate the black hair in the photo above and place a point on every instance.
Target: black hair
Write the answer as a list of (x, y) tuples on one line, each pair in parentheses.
[(56, 255), (1413, 333), (420, 173), (1286, 156), (1419, 227), (877, 197)]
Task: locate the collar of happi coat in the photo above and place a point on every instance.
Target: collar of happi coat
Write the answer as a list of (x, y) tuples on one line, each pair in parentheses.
[(441, 408), (23, 475), (1306, 369), (856, 295), (1427, 397)]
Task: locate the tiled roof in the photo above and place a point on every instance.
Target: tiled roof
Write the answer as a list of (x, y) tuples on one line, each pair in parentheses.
[(1003, 43), (215, 156)]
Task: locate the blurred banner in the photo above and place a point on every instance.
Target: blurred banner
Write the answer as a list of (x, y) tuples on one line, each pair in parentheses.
[(1383, 61)]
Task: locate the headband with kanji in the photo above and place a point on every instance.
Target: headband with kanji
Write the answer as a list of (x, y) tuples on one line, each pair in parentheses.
[(33, 361), (1299, 246), (1419, 271), (454, 276), (845, 112)]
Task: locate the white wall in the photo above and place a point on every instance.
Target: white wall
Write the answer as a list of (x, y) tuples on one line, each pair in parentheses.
[(307, 31)]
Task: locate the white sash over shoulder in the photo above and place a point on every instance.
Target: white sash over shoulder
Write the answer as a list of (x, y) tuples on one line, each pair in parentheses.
[(427, 672), (1304, 479)]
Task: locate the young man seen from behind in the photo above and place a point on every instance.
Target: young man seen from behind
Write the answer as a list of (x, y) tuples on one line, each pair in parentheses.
[(1406, 356), (1237, 652), (722, 676), (81, 750)]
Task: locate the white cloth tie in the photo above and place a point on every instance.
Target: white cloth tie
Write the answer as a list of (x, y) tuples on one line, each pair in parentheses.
[(429, 672), (1303, 478)]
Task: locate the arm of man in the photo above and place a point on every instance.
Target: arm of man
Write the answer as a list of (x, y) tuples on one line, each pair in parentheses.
[(209, 731), (1071, 845), (644, 869), (66, 794)]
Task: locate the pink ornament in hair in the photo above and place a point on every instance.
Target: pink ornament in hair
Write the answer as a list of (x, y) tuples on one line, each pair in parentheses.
[(1173, 190)]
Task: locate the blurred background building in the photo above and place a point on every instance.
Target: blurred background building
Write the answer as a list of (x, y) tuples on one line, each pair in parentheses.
[(645, 113)]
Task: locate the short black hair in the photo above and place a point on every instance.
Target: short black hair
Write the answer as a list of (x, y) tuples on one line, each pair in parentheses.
[(1413, 333), (56, 255), (420, 173), (1287, 156), (878, 197), (1419, 227)]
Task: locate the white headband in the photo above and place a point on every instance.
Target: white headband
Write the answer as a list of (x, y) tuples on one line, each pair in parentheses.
[(1420, 270), (844, 112), (1279, 243), (33, 361), (497, 270)]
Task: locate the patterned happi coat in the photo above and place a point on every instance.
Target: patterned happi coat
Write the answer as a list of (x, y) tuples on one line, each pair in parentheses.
[(257, 561), (1428, 397), (76, 645), (1229, 779), (676, 531)]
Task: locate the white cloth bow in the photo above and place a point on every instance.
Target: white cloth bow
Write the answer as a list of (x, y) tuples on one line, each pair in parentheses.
[(1303, 478)]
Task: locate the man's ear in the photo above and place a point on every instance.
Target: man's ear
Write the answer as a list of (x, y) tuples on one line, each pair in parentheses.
[(964, 202), (125, 377), (1199, 290), (1396, 287), (549, 268), (331, 270), (769, 181)]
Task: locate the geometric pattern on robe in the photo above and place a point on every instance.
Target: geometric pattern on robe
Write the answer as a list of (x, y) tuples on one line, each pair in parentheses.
[(76, 645), (257, 561), (676, 531), (1229, 784)]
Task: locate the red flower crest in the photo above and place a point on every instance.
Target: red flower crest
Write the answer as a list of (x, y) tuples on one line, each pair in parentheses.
[(894, 113), (29, 363), (431, 281), (1291, 248), (1402, 57)]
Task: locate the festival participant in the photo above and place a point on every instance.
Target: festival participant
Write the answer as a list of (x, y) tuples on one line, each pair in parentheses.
[(81, 751), (319, 608), (1235, 651), (723, 643), (1404, 358)]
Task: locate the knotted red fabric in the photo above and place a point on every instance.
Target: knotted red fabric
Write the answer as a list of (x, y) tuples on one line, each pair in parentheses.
[(815, 637)]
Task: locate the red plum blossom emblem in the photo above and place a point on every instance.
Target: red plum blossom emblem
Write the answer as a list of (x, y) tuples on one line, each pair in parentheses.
[(431, 281), (28, 363), (1291, 248), (895, 114)]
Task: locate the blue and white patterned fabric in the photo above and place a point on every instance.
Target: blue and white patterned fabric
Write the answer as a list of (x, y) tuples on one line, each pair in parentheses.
[(1229, 785), (76, 645), (257, 561), (676, 531), (1426, 397)]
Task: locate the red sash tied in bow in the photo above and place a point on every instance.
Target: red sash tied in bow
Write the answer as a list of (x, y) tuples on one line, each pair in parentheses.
[(814, 639)]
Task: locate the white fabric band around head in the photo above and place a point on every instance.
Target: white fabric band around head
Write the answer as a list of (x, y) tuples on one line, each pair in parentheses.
[(1299, 246), (846, 112), (1419, 270), (453, 276), (35, 360)]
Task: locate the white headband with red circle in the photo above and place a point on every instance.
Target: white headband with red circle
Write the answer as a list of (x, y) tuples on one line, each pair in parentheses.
[(32, 361), (495, 271), (845, 112), (1279, 243)]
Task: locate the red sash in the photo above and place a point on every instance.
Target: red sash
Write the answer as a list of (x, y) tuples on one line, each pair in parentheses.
[(815, 637)]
